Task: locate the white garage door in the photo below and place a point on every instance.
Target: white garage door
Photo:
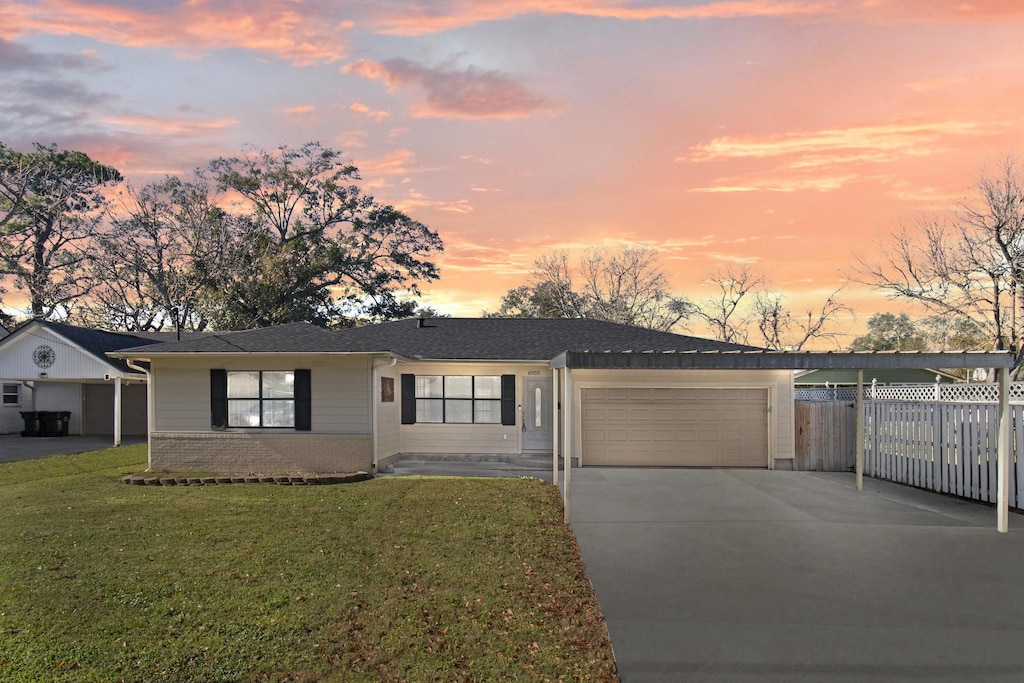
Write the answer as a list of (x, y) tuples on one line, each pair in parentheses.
[(675, 427)]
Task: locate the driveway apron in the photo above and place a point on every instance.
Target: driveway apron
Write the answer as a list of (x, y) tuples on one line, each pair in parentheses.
[(751, 575)]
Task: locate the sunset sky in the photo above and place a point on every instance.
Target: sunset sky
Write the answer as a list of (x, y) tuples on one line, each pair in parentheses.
[(787, 134)]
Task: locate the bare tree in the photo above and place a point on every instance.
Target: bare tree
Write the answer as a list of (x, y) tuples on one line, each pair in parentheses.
[(968, 264), (627, 287), (160, 257), (781, 329), (724, 312)]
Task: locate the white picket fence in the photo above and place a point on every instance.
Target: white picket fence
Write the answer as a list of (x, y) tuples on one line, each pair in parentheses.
[(949, 447)]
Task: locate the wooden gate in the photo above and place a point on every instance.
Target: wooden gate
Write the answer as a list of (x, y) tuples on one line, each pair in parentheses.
[(825, 436)]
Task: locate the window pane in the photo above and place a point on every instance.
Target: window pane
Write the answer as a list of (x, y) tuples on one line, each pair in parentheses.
[(488, 386), (279, 413), (429, 386), (243, 413), (243, 385), (487, 412), (11, 394), (458, 387), (278, 384), (538, 408), (429, 410), (458, 411)]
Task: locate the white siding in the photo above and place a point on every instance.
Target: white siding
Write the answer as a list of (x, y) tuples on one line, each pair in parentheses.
[(469, 438), (340, 390), (389, 415), (70, 362), (778, 384)]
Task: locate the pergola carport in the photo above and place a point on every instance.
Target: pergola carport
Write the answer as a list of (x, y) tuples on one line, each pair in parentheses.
[(563, 365)]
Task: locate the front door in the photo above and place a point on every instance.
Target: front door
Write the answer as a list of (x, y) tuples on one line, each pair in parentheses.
[(536, 417)]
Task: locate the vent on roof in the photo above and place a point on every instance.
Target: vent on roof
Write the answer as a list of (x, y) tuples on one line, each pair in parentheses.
[(421, 322)]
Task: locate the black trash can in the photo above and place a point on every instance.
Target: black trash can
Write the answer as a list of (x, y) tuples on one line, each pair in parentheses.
[(48, 420), (33, 423), (63, 419)]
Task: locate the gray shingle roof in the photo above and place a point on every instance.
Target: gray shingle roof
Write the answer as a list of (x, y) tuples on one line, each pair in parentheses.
[(451, 339)]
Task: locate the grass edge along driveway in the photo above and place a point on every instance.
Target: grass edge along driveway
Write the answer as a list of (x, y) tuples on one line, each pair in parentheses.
[(393, 579)]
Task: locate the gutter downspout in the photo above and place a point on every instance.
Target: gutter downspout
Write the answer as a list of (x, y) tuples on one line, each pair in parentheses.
[(374, 402), (150, 413)]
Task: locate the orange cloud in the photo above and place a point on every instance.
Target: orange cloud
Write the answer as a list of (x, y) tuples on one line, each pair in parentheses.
[(166, 125), (417, 200), (398, 162), (885, 142), (376, 115), (830, 159), (196, 25), (933, 84), (418, 20), (471, 93), (299, 109)]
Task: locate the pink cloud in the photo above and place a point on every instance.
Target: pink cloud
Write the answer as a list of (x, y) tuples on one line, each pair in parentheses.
[(471, 93)]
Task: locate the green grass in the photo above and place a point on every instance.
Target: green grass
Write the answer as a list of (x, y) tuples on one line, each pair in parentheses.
[(393, 579)]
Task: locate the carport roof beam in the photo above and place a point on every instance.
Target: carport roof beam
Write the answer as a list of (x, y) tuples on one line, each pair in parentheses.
[(780, 360)]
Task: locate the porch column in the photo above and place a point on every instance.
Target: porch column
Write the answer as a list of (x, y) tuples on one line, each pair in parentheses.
[(117, 410), (1003, 454), (554, 426), (859, 429), (567, 440)]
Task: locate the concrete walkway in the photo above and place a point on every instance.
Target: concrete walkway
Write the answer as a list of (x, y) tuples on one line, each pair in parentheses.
[(457, 465), (747, 575), (14, 447)]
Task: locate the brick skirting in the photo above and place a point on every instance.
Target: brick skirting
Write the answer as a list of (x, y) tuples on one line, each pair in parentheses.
[(260, 452)]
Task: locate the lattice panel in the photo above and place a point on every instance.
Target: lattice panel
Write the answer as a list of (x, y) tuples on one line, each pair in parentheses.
[(906, 392), (947, 393)]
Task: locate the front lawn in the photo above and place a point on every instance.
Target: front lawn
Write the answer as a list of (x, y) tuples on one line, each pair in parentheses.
[(393, 579)]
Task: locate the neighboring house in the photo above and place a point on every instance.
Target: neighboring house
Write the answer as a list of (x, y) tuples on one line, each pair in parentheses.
[(300, 398), (49, 366)]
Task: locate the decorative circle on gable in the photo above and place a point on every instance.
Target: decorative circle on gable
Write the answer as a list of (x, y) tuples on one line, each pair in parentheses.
[(44, 356)]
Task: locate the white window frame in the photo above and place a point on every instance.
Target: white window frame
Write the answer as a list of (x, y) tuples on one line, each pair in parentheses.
[(260, 398), (6, 394), (447, 402)]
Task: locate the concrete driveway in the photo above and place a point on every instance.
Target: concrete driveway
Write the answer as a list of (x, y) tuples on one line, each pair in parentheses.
[(14, 447), (748, 575)]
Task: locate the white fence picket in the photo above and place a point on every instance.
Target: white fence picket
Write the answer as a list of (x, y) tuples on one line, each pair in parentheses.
[(941, 446)]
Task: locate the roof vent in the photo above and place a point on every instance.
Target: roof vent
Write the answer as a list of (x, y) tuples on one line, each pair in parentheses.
[(421, 322)]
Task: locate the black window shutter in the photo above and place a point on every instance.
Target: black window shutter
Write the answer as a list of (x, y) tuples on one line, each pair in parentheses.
[(408, 399), (508, 399), (218, 399), (303, 401)]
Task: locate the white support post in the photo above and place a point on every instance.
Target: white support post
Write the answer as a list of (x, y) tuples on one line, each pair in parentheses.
[(117, 410), (859, 429), (554, 426), (567, 440), (1003, 454)]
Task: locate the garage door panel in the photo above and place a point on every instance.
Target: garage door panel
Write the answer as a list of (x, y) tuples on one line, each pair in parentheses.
[(676, 427)]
